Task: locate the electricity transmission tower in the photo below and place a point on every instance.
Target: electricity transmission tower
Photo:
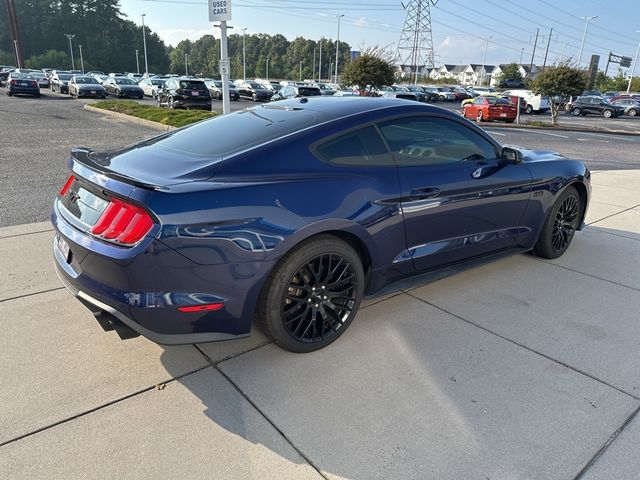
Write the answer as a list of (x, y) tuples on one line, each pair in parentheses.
[(415, 48)]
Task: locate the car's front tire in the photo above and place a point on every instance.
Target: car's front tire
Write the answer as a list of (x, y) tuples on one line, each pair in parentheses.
[(312, 295), (560, 225)]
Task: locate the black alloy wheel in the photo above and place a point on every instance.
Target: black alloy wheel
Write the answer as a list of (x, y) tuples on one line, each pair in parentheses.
[(312, 295), (560, 226)]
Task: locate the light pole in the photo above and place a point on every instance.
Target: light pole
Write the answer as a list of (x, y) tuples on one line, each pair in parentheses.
[(320, 61), (521, 54), (186, 64), (70, 36), (137, 62), (144, 45), (15, 46), (300, 70), (633, 68), (584, 36), (330, 69), (81, 59), (244, 56), (484, 57), (313, 68), (338, 44), (267, 68)]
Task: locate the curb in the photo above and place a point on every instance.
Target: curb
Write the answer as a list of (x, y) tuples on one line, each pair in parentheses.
[(560, 128), (129, 118)]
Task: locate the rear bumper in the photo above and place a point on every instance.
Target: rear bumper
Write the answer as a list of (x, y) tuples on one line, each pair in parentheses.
[(24, 90), (192, 103), (143, 287)]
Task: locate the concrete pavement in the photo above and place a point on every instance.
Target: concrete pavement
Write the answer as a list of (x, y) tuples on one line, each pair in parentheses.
[(523, 368)]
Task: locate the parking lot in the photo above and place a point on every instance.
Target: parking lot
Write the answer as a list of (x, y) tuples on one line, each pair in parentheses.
[(522, 368)]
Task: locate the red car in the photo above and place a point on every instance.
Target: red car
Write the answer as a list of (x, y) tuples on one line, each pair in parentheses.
[(491, 108)]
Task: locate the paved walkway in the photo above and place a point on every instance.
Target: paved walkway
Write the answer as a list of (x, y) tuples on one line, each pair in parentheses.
[(520, 369)]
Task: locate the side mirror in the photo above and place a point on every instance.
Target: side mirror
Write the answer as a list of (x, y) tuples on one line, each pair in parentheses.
[(510, 156)]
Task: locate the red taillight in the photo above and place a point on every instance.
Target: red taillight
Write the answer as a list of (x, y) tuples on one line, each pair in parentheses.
[(34, 84), (208, 307), (66, 185), (14, 82), (123, 223)]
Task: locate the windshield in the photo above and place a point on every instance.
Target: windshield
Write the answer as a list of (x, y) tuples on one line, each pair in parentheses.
[(157, 82), (64, 77), (125, 81), (257, 86), (86, 80)]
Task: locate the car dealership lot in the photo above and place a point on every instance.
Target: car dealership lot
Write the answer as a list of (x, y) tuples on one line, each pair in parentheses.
[(519, 369)]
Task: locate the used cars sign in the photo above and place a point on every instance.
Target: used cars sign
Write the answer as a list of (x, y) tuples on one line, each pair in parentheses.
[(219, 10)]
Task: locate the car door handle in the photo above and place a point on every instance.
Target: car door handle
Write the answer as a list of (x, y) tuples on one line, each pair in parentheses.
[(422, 193)]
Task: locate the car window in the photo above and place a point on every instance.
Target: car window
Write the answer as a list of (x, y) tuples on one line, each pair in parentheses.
[(362, 147), (124, 81), (309, 92), (433, 141), (192, 85)]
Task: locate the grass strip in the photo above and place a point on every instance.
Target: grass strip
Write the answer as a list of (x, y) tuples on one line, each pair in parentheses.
[(175, 118)]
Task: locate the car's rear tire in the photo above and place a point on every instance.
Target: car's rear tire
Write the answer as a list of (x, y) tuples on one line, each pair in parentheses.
[(9, 94), (560, 225), (528, 110), (254, 97), (575, 112), (632, 112), (607, 113), (312, 295)]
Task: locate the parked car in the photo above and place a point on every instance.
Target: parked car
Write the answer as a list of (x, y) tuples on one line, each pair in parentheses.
[(253, 90), (294, 91), (184, 92), (535, 103), (445, 94), (403, 94), (488, 95), (325, 88), (215, 88), (346, 93), (150, 86), (41, 78), (93, 73), (515, 99), (630, 105), (122, 87), (590, 105), (483, 90), (22, 84), (4, 74), (60, 82), (419, 92), (135, 76), (485, 109), (610, 94), (432, 92), (511, 83), (85, 87), (195, 233)]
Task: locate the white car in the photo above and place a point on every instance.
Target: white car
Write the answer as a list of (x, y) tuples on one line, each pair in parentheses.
[(150, 86), (535, 103)]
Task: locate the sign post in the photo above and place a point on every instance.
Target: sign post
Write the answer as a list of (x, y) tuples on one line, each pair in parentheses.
[(220, 11)]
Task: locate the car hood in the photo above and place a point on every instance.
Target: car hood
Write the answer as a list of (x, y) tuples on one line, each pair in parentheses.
[(537, 155)]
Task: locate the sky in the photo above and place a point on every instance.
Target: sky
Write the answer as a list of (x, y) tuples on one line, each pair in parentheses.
[(460, 27)]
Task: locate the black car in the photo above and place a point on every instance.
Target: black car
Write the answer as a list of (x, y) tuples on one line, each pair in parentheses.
[(595, 106), (254, 90), (4, 74), (184, 92), (294, 91), (60, 82), (22, 84), (122, 87), (84, 86), (215, 88), (511, 83)]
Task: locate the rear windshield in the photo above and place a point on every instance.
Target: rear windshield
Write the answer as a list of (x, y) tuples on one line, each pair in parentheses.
[(192, 85), (238, 131), (498, 101), (64, 77), (157, 82)]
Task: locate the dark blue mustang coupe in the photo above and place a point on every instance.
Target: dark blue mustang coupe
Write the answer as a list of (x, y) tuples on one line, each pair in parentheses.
[(289, 213)]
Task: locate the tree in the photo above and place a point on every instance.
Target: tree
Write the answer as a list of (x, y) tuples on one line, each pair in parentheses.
[(50, 58), (510, 72), (560, 80), (368, 70)]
